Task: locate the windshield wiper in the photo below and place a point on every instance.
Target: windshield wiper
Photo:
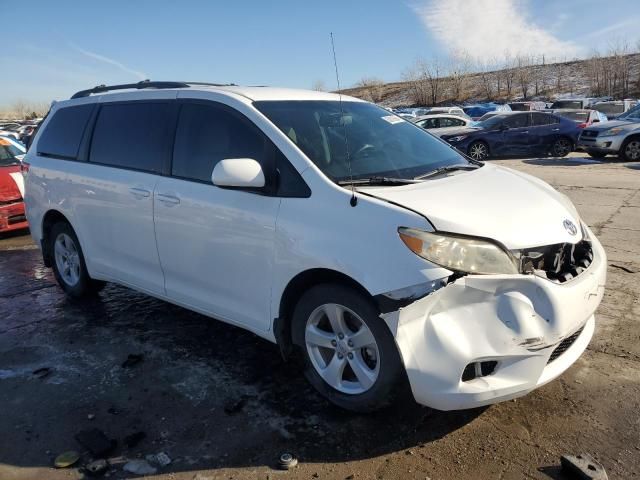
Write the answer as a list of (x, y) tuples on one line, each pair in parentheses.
[(377, 180), (448, 168)]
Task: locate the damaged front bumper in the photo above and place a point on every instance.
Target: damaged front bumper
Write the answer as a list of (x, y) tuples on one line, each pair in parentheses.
[(483, 339)]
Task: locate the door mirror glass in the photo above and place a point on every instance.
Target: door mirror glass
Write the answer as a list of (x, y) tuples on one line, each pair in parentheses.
[(238, 173)]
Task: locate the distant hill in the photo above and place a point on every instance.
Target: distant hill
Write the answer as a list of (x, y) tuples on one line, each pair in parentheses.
[(617, 76)]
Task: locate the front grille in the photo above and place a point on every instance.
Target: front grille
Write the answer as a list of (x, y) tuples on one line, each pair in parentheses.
[(589, 134), (564, 345), (16, 219), (560, 262)]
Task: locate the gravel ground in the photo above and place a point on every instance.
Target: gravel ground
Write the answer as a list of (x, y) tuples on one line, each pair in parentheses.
[(221, 403)]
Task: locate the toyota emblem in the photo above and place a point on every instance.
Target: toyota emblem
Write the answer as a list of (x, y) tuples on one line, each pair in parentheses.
[(570, 227)]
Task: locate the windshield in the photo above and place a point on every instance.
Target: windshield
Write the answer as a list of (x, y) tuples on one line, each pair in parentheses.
[(609, 108), (9, 154), (579, 116), (632, 115), (379, 143)]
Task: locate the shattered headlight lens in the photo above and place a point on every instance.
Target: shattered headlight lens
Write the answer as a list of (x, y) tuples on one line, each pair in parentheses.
[(463, 254)]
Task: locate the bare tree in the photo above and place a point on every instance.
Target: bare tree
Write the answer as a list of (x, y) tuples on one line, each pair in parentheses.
[(459, 66), (426, 81), (508, 73), (319, 86), (487, 78), (373, 87), (524, 74)]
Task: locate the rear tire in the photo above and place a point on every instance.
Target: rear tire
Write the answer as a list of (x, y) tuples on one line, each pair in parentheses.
[(350, 356), (630, 150), (561, 147), (68, 263)]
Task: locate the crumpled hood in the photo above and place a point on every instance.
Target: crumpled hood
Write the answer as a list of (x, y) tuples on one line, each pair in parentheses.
[(454, 131), (516, 209)]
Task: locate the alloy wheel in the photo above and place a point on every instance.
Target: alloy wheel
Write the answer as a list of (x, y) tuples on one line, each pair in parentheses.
[(478, 151), (342, 349), (632, 150), (67, 259)]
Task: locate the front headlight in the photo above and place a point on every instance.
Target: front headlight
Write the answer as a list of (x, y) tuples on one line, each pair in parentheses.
[(459, 138), (471, 255), (612, 131)]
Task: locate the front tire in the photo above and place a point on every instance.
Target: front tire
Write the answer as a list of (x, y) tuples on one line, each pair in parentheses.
[(478, 151), (350, 356), (68, 263), (630, 150)]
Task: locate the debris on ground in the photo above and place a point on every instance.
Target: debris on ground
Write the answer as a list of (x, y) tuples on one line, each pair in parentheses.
[(161, 459), (134, 439), (139, 467), (96, 442), (132, 360), (66, 459), (583, 467), (625, 268), (41, 372), (97, 467), (287, 461)]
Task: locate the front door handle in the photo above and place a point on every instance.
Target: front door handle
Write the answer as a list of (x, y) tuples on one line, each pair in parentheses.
[(139, 193), (168, 200), (556, 129)]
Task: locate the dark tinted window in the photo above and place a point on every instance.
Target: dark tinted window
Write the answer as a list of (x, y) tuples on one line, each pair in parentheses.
[(451, 122), (209, 133), (64, 132), (540, 119), (517, 120), (133, 135), (428, 123)]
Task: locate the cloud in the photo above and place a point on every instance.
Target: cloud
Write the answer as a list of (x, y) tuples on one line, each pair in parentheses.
[(616, 27), (489, 28), (110, 61)]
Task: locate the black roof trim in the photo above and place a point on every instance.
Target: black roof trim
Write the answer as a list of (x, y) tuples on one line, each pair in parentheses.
[(144, 84), (127, 86)]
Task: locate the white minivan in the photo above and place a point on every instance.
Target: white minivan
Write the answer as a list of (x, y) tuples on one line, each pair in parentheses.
[(361, 244)]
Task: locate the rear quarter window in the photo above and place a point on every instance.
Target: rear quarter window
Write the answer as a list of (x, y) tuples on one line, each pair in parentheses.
[(63, 133)]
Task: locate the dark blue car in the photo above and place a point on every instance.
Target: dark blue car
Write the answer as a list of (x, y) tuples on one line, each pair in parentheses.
[(517, 133)]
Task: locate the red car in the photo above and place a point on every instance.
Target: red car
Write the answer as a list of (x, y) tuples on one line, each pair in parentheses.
[(12, 215)]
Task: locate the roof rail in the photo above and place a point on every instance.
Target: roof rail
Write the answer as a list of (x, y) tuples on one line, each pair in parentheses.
[(127, 86), (212, 84)]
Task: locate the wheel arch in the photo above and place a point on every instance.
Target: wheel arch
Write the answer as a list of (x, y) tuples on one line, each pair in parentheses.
[(48, 221), (296, 287), (627, 140)]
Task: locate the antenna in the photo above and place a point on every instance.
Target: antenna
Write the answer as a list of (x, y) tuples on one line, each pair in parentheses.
[(354, 200)]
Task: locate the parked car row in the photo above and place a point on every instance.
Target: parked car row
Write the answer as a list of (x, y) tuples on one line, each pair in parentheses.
[(19, 130)]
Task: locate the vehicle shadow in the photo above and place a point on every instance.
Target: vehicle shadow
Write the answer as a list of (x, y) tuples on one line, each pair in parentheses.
[(633, 166), (564, 161), (209, 394)]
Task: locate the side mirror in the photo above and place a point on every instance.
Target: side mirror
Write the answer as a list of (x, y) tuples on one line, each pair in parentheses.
[(238, 173)]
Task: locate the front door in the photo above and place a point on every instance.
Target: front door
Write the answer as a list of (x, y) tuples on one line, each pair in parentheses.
[(216, 245)]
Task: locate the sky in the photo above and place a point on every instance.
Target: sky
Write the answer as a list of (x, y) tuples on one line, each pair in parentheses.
[(50, 49)]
